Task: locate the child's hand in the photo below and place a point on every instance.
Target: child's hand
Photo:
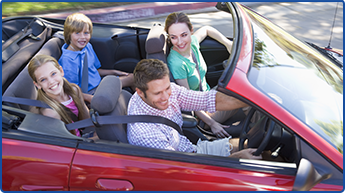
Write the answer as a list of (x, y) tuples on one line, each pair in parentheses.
[(120, 73)]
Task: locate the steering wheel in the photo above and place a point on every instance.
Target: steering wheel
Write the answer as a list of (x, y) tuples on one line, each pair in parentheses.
[(260, 133)]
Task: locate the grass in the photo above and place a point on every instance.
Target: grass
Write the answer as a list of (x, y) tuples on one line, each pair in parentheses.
[(33, 8)]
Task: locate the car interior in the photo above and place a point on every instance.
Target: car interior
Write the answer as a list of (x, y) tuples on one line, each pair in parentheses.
[(121, 48)]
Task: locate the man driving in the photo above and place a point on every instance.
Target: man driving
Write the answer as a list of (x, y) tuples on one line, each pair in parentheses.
[(156, 95)]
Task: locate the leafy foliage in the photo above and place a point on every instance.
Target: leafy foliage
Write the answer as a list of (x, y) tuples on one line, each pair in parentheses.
[(33, 8), (335, 131)]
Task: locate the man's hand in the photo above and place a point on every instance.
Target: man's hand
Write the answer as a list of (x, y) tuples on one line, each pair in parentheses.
[(246, 154)]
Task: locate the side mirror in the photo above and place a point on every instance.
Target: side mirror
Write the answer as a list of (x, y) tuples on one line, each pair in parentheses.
[(307, 177)]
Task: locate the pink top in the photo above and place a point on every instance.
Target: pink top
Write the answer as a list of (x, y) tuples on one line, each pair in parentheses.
[(71, 105)]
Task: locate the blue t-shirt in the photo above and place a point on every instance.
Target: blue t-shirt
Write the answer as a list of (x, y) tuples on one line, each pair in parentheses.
[(183, 68), (72, 65)]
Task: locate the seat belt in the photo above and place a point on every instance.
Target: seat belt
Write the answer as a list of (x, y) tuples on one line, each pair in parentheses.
[(25, 101), (85, 75), (197, 69), (97, 120)]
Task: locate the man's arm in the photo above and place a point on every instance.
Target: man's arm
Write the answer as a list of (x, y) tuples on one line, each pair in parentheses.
[(227, 103)]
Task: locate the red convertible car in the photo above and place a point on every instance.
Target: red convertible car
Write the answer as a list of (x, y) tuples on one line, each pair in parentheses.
[(297, 89)]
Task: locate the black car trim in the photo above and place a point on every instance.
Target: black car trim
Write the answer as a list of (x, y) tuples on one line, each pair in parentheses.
[(321, 165), (39, 124), (326, 54)]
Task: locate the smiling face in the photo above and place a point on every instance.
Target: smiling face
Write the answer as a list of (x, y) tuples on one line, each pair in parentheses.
[(158, 93), (49, 79), (80, 39), (181, 37)]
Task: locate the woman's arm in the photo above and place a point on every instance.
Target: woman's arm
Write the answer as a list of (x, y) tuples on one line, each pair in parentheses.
[(217, 128), (183, 82), (205, 31)]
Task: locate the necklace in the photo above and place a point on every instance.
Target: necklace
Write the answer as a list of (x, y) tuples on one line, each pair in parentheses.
[(72, 47)]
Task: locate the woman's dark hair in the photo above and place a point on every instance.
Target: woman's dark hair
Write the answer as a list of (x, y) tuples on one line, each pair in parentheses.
[(177, 17)]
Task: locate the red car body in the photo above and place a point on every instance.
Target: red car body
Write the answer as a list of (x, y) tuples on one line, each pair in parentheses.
[(34, 162)]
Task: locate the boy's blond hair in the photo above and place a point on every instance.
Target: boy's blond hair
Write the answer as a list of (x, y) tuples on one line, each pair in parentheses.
[(75, 23)]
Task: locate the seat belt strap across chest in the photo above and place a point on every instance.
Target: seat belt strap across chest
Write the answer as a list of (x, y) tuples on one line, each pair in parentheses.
[(97, 120), (85, 75)]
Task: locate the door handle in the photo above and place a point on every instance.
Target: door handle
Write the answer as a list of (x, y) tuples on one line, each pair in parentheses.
[(114, 185)]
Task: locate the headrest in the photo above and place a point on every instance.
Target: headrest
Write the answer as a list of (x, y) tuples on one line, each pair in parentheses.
[(106, 95), (156, 39)]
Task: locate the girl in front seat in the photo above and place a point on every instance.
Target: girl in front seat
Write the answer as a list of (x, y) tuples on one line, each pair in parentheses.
[(64, 98)]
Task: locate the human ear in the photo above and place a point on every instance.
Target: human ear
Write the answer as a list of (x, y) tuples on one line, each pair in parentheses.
[(38, 86), (61, 70), (140, 93)]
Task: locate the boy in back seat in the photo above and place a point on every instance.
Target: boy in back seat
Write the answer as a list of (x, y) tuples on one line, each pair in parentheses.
[(77, 50)]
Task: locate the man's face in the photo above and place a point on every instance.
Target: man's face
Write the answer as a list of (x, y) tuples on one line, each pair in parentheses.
[(157, 94)]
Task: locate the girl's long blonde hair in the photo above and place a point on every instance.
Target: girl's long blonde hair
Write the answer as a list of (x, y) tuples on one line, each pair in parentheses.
[(40, 60)]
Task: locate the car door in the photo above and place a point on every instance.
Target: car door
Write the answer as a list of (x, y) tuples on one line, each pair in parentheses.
[(118, 166), (37, 151), (34, 162)]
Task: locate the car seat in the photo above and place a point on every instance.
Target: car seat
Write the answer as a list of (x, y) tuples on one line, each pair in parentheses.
[(22, 86), (156, 45), (110, 99), (17, 51)]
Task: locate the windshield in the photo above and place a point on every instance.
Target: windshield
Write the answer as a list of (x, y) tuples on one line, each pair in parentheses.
[(299, 79)]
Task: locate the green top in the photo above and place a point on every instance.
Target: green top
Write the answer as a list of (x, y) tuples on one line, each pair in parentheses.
[(183, 68)]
